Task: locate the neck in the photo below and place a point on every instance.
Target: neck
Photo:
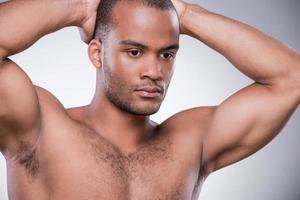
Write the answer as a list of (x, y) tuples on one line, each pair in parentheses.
[(125, 130)]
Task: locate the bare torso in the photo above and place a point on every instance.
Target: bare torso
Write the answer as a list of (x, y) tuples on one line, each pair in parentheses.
[(61, 157), (71, 161)]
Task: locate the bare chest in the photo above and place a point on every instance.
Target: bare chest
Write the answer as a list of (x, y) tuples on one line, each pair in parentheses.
[(82, 165)]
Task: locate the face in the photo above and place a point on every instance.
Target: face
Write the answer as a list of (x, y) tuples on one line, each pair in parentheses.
[(138, 57)]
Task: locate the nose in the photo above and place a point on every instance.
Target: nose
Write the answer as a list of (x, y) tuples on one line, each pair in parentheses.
[(152, 70)]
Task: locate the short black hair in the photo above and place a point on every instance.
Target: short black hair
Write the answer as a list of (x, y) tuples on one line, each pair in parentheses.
[(104, 19)]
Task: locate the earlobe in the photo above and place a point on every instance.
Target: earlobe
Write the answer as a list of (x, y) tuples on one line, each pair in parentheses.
[(94, 52)]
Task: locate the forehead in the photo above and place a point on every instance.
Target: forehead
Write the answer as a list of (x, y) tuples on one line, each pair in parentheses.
[(145, 24)]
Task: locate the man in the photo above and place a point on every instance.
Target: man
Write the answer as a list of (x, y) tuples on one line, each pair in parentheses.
[(110, 149)]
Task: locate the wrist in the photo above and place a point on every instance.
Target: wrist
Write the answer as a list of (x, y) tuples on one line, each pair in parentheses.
[(78, 15), (67, 12), (188, 17)]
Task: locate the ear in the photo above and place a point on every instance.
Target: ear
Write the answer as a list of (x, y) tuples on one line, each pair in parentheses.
[(94, 51)]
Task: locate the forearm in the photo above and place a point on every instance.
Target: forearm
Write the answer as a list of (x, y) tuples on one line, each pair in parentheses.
[(260, 57), (23, 22)]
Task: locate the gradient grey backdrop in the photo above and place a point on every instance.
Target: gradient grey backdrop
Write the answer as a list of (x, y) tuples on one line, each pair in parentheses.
[(59, 63)]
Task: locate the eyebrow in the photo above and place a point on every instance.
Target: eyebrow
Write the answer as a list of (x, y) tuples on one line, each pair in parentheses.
[(142, 46)]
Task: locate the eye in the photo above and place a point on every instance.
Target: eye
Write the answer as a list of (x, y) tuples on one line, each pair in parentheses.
[(167, 55), (134, 53)]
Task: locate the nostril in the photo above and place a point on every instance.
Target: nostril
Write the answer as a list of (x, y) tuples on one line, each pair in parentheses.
[(153, 73)]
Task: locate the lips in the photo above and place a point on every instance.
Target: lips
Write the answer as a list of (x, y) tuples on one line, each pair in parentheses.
[(149, 91)]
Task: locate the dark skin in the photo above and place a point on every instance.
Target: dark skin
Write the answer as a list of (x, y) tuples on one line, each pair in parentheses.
[(100, 151), (132, 62)]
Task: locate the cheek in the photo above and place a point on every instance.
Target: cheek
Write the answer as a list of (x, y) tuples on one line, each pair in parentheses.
[(122, 64), (118, 74), (168, 71)]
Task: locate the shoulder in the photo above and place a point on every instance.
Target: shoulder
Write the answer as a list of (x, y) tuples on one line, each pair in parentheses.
[(187, 131), (190, 118), (54, 115), (47, 99), (53, 112), (191, 123)]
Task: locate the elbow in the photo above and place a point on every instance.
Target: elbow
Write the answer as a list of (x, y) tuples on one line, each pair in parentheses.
[(293, 80), (289, 81), (296, 77), (298, 80)]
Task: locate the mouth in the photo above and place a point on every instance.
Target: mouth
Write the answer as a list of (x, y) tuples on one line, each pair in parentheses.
[(149, 92)]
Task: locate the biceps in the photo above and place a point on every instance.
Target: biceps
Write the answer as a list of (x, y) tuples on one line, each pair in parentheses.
[(246, 122), (19, 108)]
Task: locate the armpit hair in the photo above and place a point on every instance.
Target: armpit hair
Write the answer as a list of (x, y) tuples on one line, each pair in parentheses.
[(27, 158)]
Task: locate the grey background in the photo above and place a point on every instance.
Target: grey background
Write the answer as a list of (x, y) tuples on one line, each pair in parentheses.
[(59, 63)]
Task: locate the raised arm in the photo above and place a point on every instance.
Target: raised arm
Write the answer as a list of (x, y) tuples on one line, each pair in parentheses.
[(21, 24), (249, 119)]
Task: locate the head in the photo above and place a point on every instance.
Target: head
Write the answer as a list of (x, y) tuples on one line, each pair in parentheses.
[(134, 48)]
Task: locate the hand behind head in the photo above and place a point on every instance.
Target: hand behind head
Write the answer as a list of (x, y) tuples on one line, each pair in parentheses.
[(87, 26)]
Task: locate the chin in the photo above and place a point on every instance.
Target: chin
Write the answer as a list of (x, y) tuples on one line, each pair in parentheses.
[(145, 110)]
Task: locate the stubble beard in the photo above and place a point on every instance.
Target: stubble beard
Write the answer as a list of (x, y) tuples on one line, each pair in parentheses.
[(115, 91)]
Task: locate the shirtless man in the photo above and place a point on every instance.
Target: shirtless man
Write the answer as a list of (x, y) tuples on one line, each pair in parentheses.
[(110, 149)]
